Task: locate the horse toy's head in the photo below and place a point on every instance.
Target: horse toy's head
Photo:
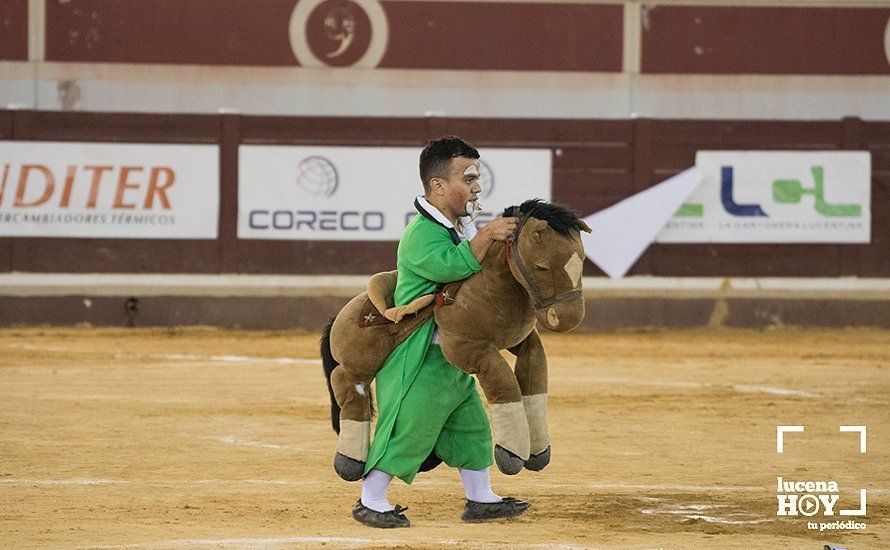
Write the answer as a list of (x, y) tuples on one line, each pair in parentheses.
[(546, 257)]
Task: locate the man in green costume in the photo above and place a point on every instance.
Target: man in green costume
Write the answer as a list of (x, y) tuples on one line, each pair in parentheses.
[(428, 407)]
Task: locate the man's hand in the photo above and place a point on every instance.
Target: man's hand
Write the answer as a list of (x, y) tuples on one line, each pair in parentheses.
[(498, 229)]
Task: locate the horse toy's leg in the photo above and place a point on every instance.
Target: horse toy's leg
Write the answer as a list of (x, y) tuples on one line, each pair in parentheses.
[(508, 421), (531, 372), (350, 413), (352, 395)]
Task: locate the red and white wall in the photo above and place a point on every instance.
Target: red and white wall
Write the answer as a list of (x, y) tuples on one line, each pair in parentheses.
[(762, 59), (622, 94)]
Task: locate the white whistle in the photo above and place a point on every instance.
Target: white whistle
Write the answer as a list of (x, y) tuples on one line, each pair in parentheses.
[(474, 209)]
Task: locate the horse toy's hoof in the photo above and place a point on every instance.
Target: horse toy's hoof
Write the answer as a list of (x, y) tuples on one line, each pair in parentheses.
[(347, 468), (507, 462), (537, 462)]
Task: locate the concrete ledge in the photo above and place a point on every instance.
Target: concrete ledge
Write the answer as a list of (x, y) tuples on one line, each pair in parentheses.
[(280, 302), (846, 288), (114, 284)]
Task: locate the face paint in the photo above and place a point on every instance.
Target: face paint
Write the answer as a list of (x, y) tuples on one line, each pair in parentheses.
[(472, 208)]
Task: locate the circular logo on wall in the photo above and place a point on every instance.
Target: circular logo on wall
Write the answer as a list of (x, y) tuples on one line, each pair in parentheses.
[(317, 176), (887, 40), (339, 33), (486, 179)]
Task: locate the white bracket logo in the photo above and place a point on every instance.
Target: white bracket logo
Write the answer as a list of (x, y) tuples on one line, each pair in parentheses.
[(780, 436), (861, 430), (780, 448)]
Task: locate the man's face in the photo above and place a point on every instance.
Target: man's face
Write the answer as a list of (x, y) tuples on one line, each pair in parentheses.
[(462, 185)]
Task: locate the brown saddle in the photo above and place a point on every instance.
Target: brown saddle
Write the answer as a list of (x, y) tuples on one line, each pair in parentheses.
[(401, 321)]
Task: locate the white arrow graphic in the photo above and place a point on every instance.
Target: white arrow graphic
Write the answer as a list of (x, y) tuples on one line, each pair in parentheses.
[(621, 232)]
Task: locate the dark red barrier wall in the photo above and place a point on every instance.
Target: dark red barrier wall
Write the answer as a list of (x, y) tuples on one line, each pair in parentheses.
[(14, 30), (422, 35), (595, 164), (764, 40)]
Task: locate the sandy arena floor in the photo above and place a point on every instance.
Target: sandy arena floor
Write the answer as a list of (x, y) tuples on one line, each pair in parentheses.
[(205, 438)]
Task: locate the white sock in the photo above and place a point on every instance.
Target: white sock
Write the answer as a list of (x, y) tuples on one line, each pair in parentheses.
[(477, 485), (374, 489)]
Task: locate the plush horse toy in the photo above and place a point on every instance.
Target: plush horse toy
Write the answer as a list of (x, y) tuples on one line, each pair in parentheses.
[(535, 278)]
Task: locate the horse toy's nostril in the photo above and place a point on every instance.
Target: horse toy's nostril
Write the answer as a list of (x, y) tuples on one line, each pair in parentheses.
[(552, 318)]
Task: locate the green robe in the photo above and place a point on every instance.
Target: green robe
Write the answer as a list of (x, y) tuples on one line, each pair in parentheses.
[(439, 410)]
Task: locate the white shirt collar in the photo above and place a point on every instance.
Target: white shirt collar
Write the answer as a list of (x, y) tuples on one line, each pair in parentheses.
[(467, 231), (434, 212)]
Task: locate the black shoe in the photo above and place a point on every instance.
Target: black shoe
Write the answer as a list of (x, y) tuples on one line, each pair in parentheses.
[(476, 512), (383, 520)]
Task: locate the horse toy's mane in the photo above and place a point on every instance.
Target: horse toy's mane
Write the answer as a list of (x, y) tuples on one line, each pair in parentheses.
[(558, 217)]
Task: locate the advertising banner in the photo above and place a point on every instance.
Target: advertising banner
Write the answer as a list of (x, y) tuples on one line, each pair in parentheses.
[(776, 197), (108, 190), (363, 193)]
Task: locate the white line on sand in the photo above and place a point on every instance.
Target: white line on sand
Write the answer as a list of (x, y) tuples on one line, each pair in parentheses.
[(158, 482), (73, 481), (34, 347), (693, 488), (710, 519), (178, 356), (316, 483), (743, 388), (340, 542), (234, 440), (695, 511), (772, 390), (237, 359), (245, 542), (628, 486)]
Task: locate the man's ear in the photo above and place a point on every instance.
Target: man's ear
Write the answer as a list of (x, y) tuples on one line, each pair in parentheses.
[(436, 186)]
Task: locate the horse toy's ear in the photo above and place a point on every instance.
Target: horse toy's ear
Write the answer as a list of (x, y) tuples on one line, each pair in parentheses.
[(537, 227), (584, 227)]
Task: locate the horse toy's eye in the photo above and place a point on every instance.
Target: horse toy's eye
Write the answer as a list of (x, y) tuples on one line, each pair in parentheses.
[(540, 267)]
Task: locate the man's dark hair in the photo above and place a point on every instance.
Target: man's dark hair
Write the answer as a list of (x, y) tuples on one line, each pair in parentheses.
[(435, 159)]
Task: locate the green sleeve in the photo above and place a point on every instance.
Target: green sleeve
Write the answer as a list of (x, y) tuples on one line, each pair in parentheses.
[(432, 255)]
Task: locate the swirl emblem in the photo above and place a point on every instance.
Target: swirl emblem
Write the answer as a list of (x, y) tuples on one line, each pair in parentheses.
[(339, 33), (486, 179), (887, 40), (317, 176)]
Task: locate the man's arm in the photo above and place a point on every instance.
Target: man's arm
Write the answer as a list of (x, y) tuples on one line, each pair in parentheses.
[(431, 255)]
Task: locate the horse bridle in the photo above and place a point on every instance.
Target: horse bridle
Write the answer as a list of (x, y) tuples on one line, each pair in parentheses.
[(540, 301)]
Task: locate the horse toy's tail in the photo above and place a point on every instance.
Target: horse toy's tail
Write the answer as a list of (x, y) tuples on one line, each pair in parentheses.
[(328, 363)]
